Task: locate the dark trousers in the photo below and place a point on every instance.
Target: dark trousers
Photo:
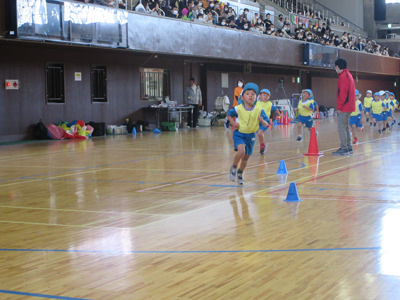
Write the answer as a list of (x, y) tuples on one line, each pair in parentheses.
[(195, 115)]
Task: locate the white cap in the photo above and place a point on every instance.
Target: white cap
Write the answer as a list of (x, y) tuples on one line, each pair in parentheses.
[(381, 93), (369, 91)]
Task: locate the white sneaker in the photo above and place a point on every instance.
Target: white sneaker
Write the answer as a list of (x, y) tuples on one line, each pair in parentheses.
[(240, 179), (232, 174)]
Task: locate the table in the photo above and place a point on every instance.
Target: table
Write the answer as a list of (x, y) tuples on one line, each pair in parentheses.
[(168, 111)]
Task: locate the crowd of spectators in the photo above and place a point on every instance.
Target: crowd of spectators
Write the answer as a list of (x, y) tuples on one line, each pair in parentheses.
[(221, 14)]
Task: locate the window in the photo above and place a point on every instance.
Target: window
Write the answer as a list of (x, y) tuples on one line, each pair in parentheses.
[(154, 84), (55, 83), (99, 84)]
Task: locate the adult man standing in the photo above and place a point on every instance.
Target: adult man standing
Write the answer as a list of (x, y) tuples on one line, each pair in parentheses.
[(346, 104), (193, 97)]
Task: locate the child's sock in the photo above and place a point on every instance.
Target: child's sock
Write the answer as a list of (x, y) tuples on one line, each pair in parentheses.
[(367, 120)]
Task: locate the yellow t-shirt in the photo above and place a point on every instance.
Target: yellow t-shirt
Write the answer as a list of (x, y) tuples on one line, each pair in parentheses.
[(305, 112), (266, 106), (396, 103), (377, 107), (387, 105), (367, 102), (248, 119), (357, 111)]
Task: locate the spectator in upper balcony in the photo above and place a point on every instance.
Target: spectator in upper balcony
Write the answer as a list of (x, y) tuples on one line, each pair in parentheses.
[(309, 37), (360, 46), (246, 15), (166, 8), (143, 7), (299, 36), (197, 9), (324, 28), (246, 26), (223, 22), (152, 4), (209, 19), (156, 11), (319, 30), (187, 14), (286, 28), (254, 21), (385, 51), (209, 8), (268, 21), (336, 41), (216, 8), (279, 23), (268, 31), (174, 13), (232, 24), (272, 27), (240, 22), (200, 19), (230, 15), (255, 28), (286, 22), (224, 12), (345, 38)]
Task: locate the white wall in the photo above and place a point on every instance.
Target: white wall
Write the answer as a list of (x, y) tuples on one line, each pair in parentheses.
[(352, 10)]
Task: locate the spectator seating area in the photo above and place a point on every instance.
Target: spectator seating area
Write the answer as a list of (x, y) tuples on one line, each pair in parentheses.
[(304, 24)]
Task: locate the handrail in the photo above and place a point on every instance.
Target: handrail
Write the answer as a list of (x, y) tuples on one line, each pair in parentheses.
[(332, 11)]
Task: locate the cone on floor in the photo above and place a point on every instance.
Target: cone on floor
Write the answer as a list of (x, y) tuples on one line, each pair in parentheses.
[(293, 195), (133, 130), (286, 118), (157, 130), (313, 145), (276, 123), (282, 168)]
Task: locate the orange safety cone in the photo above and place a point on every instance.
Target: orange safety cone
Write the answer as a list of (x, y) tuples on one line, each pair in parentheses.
[(313, 145)]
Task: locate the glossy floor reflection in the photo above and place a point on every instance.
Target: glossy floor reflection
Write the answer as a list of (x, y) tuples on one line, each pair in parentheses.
[(155, 217)]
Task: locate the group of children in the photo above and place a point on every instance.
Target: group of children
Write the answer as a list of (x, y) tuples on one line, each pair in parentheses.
[(380, 109), (253, 113)]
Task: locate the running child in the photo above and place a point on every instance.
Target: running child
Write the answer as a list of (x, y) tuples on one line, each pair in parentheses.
[(244, 135), (394, 107), (367, 106), (355, 120), (269, 110), (305, 109), (376, 111), (385, 113)]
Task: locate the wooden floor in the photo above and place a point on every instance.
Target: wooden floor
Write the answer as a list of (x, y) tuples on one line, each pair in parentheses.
[(155, 217)]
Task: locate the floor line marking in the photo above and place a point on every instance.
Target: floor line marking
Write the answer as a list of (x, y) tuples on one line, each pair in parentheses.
[(82, 211), (41, 295), (192, 251)]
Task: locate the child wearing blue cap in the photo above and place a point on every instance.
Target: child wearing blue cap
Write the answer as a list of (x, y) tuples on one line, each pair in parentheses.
[(377, 108), (386, 108), (367, 106), (269, 109), (394, 106), (248, 117), (305, 109), (355, 120)]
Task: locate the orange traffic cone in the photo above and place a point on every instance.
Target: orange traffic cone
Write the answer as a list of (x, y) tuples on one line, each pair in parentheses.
[(313, 145)]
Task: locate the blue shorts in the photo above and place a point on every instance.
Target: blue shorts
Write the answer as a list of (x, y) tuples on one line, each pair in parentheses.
[(308, 121), (246, 139), (263, 128), (385, 116), (367, 109), (377, 117), (355, 120)]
